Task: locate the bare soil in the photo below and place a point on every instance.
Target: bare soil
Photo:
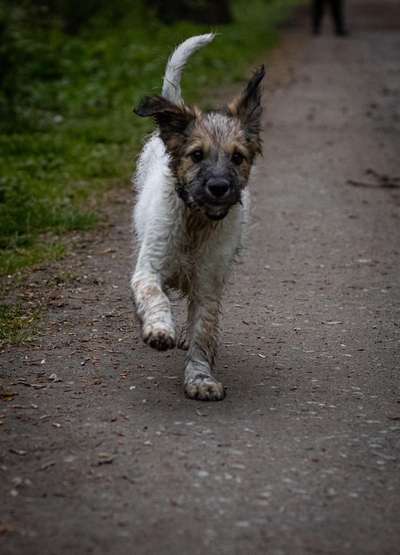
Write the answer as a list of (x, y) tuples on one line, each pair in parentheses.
[(100, 450)]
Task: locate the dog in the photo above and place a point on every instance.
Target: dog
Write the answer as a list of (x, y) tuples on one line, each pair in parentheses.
[(191, 212)]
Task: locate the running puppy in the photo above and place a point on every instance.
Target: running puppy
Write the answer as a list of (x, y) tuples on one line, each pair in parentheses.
[(190, 214)]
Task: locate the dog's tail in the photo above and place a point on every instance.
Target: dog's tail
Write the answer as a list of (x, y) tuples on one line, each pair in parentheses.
[(171, 88)]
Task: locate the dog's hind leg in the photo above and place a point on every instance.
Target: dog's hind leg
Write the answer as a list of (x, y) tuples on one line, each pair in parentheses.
[(154, 310), (203, 321)]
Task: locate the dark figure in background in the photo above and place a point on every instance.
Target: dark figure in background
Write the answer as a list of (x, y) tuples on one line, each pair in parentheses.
[(336, 8)]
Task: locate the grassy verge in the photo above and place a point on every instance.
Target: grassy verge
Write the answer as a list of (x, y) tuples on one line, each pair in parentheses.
[(75, 132), (72, 134), (15, 325)]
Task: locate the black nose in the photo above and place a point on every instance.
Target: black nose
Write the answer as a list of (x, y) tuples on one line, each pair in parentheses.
[(218, 188)]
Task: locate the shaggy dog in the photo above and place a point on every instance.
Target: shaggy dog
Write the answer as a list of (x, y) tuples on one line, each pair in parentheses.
[(190, 214)]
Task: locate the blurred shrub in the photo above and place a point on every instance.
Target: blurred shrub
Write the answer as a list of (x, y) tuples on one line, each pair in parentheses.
[(209, 12), (66, 99), (32, 33)]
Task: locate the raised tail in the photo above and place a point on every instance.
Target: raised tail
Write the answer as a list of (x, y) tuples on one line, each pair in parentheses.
[(171, 88)]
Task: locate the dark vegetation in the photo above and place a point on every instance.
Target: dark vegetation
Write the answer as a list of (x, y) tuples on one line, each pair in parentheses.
[(209, 12), (70, 74)]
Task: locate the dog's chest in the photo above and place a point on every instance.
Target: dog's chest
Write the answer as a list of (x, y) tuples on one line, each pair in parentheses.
[(192, 248)]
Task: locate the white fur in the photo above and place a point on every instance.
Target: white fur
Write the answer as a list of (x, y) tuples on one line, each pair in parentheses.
[(183, 250), (172, 78), (168, 256)]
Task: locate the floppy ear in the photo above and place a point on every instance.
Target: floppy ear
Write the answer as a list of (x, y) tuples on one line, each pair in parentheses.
[(247, 107), (170, 118)]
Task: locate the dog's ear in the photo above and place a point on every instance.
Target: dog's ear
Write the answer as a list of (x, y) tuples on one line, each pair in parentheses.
[(170, 118), (247, 107)]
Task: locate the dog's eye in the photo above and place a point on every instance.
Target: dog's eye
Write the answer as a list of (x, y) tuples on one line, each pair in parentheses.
[(197, 155), (237, 158)]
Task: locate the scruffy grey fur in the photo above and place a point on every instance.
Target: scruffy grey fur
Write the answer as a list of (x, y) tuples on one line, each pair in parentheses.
[(190, 213)]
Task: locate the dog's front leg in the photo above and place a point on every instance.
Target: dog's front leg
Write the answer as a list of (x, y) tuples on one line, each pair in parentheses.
[(154, 310), (204, 309)]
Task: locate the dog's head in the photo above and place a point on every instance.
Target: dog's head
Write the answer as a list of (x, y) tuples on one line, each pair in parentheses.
[(212, 153)]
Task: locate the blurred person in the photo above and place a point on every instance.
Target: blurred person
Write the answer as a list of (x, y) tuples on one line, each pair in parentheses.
[(336, 9)]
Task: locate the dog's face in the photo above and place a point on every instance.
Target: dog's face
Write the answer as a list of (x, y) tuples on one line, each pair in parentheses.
[(211, 154)]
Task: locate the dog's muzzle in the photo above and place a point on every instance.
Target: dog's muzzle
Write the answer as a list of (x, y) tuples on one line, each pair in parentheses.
[(220, 196), (215, 197)]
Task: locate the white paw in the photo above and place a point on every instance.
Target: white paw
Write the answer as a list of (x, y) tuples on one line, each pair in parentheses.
[(204, 388), (159, 336)]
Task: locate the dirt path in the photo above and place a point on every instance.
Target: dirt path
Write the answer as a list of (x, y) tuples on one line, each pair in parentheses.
[(100, 451)]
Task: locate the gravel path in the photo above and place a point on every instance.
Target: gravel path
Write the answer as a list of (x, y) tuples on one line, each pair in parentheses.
[(100, 451)]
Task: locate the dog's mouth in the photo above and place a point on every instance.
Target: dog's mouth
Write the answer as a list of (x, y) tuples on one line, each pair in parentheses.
[(214, 211)]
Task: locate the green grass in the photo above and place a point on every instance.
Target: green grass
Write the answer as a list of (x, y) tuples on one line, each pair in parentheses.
[(39, 251), (72, 133), (16, 325)]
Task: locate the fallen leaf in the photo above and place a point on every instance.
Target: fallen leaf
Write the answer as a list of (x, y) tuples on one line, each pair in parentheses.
[(6, 528), (47, 465), (7, 395), (104, 458), (19, 452), (54, 378)]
